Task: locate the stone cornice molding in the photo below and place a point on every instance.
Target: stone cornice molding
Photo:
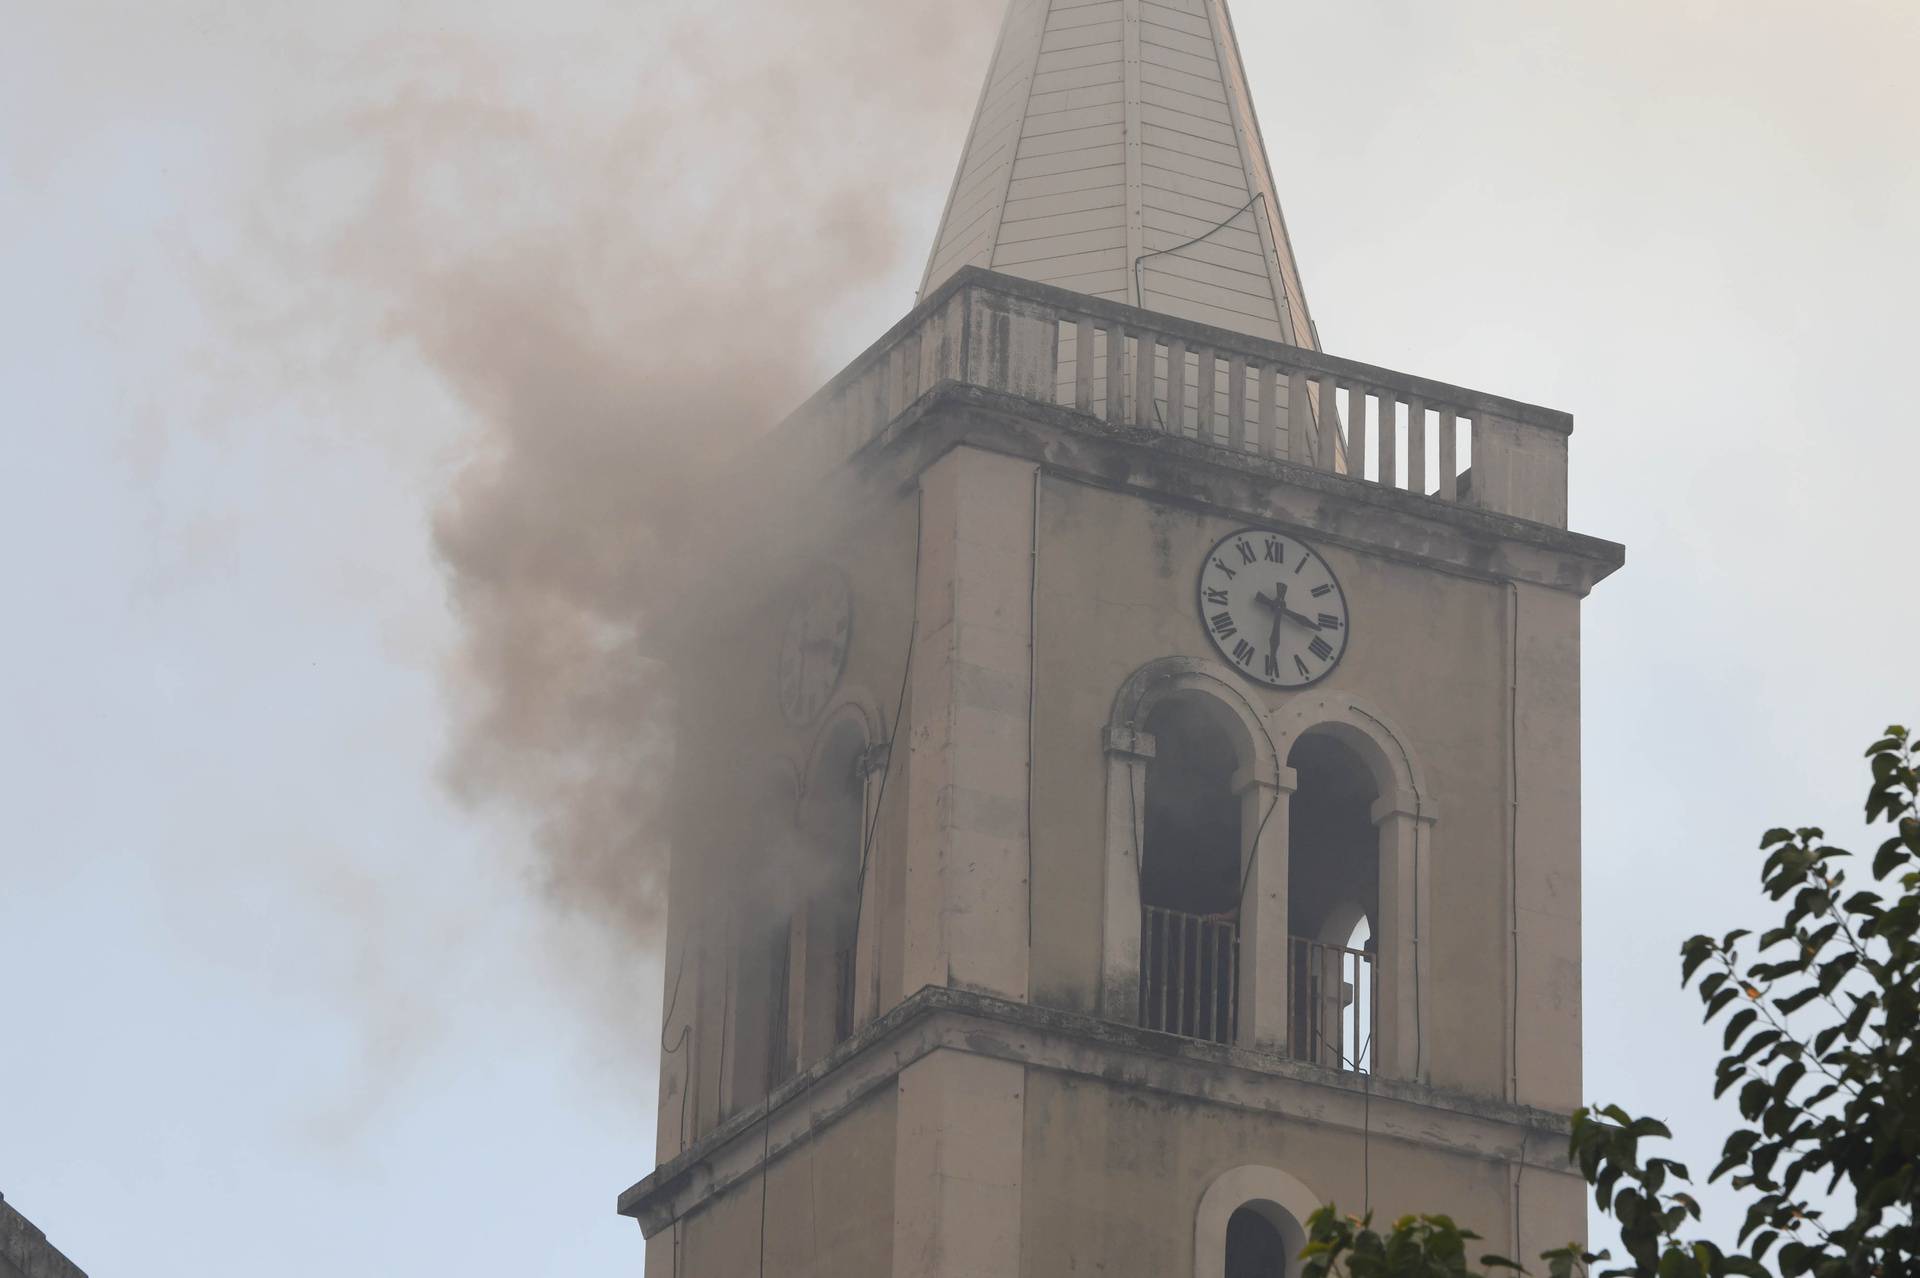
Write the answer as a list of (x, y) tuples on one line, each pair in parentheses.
[(1449, 537), (1395, 1112)]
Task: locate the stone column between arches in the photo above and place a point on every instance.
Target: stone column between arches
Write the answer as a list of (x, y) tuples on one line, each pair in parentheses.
[(1129, 754), (965, 858), (1406, 825), (1265, 809)]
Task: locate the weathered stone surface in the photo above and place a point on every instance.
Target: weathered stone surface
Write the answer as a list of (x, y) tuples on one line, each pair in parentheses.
[(25, 1251)]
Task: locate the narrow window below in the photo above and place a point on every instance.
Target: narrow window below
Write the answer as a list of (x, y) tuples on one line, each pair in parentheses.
[(1254, 1246)]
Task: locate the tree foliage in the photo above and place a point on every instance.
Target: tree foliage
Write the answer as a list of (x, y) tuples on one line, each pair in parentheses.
[(1820, 1029)]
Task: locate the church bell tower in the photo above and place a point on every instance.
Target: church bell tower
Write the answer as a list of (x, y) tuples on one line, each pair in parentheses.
[(1132, 796)]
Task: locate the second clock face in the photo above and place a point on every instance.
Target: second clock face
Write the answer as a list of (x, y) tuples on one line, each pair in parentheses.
[(1273, 608)]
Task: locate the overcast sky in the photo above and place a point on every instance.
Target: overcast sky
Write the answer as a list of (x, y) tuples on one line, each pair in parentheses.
[(276, 1001)]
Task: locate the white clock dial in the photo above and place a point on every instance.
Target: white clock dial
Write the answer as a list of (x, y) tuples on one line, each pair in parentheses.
[(1273, 608), (813, 647)]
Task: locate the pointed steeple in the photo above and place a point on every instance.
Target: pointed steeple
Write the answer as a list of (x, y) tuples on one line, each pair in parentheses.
[(1115, 152)]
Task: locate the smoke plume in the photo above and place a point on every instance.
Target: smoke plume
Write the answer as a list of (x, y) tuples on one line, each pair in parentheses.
[(620, 293)]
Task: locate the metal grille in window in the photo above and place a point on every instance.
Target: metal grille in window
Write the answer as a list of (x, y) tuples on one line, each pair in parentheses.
[(1190, 973), (1331, 1005)]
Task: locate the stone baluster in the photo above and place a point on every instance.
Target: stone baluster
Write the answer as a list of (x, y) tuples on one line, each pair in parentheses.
[(1299, 419), (1146, 346), (1269, 410), (1203, 415), (1083, 365), (1357, 431), (1329, 422), (1416, 446), (1389, 441), (1176, 423), (1116, 373), (1237, 403)]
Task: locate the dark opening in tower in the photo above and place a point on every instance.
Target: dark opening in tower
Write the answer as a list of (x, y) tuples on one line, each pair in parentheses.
[(1255, 1248), (832, 824), (1190, 873), (1333, 893)]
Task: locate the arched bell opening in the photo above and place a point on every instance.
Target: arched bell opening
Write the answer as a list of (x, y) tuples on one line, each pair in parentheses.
[(827, 883), (1333, 895), (1191, 870)]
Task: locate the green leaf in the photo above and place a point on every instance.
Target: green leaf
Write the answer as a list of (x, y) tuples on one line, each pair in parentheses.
[(1718, 1002), (1836, 970), (1794, 1002), (1737, 1025)]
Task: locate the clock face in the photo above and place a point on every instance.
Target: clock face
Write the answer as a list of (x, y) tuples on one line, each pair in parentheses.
[(1273, 608), (813, 646)]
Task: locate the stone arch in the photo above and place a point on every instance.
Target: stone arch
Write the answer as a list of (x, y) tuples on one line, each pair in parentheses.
[(858, 709), (854, 710), (1144, 690), (1341, 921), (831, 823), (759, 814), (1361, 728), (1210, 693), (1282, 1198), (1403, 814)]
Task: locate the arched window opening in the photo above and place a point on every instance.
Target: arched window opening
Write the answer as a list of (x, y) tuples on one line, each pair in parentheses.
[(757, 825), (821, 979), (1190, 873), (772, 957), (1255, 1248), (1333, 890)]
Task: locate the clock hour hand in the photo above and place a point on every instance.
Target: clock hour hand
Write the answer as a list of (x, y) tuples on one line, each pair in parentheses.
[(1278, 602)]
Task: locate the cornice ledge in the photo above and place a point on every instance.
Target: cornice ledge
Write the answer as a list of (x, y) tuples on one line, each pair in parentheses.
[(1447, 535), (984, 1024)]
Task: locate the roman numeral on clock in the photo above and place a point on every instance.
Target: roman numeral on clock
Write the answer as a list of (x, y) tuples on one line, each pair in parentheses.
[(1320, 648), (1301, 666), (1276, 551), (1216, 597), (1328, 621), (1223, 625), (1243, 652), (1322, 591), (1247, 552)]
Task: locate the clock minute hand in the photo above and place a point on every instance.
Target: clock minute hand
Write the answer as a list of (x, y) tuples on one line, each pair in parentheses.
[(1279, 606), (1303, 620)]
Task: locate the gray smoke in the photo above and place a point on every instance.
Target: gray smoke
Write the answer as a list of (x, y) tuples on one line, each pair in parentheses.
[(620, 305)]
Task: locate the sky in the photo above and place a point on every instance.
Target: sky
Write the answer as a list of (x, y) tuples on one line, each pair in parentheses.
[(301, 974)]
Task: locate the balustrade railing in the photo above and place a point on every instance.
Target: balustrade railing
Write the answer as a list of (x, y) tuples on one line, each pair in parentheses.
[(1146, 371), (1189, 973), (1332, 1004)]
